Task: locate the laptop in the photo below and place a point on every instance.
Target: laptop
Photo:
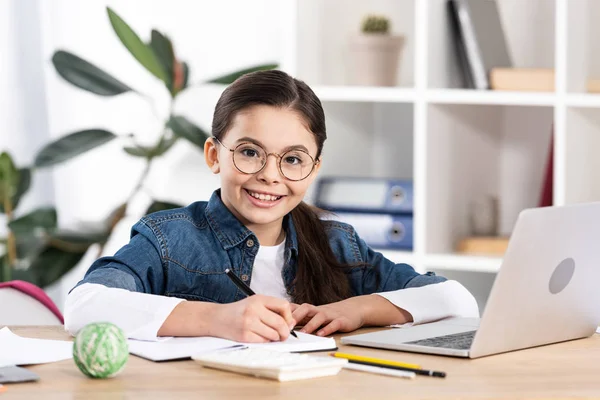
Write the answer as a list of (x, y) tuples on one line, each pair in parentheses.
[(546, 291)]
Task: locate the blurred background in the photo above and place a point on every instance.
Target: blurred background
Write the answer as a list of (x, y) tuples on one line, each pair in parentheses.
[(440, 131)]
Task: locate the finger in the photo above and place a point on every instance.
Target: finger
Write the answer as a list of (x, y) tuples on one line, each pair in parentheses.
[(266, 331), (282, 308), (315, 322), (251, 337), (304, 312), (330, 328), (277, 323), (294, 306)]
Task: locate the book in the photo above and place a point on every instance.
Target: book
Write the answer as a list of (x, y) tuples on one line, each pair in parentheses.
[(384, 231), (182, 348), (522, 79), (358, 194), (593, 86), (264, 363), (479, 39), (483, 245)]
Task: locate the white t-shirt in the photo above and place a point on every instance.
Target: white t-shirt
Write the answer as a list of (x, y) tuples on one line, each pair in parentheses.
[(141, 315), (266, 272)]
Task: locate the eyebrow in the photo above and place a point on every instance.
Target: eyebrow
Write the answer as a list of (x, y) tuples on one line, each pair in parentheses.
[(256, 142)]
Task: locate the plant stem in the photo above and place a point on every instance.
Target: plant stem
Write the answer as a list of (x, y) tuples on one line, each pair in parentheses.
[(140, 182)]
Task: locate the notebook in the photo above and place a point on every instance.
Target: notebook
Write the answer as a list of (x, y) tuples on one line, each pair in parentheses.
[(178, 348), (479, 38), (276, 365)]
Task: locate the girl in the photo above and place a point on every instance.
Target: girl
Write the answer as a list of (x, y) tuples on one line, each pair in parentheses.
[(169, 280)]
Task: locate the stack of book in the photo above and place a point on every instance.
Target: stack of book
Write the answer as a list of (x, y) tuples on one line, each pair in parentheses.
[(380, 210)]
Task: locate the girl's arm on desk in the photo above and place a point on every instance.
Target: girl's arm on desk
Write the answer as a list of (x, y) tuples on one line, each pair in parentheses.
[(146, 316)]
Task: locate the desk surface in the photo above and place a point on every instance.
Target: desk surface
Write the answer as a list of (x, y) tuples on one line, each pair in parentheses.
[(564, 370)]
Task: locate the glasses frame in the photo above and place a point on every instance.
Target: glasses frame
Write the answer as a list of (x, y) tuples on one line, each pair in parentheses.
[(278, 156)]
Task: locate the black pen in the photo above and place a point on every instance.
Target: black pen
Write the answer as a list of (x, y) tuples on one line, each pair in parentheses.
[(418, 371), (246, 289)]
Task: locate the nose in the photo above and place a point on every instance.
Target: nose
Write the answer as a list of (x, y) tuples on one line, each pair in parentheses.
[(270, 172)]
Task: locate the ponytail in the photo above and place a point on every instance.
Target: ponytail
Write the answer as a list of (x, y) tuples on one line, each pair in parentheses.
[(320, 277)]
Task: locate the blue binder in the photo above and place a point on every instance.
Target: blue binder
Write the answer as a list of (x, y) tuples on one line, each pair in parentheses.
[(354, 194), (385, 231)]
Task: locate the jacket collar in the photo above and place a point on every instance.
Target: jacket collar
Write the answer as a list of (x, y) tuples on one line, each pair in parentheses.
[(231, 232)]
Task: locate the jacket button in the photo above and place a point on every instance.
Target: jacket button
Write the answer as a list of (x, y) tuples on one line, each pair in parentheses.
[(244, 277), (250, 243)]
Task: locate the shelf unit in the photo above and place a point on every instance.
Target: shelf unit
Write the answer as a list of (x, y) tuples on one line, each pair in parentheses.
[(456, 144)]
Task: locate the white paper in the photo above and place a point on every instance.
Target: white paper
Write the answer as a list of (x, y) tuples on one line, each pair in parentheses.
[(17, 350), (304, 342), (178, 347)]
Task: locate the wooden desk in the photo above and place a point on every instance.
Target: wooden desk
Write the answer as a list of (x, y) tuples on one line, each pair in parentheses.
[(564, 370)]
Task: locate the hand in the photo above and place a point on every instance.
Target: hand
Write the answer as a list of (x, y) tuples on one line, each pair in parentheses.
[(255, 319), (343, 316)]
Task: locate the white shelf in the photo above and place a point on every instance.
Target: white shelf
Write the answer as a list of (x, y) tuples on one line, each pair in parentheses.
[(459, 262), (465, 96), (583, 100), (461, 145), (365, 94)]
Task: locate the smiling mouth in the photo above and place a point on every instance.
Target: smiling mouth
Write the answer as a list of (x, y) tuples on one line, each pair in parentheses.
[(263, 197)]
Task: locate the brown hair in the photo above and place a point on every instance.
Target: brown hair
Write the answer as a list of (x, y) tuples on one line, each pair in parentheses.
[(320, 277)]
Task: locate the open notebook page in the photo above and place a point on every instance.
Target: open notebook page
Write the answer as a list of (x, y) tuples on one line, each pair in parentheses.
[(176, 348)]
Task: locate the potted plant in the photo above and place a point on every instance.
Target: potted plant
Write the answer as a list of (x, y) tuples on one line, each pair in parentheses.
[(375, 53), (33, 247)]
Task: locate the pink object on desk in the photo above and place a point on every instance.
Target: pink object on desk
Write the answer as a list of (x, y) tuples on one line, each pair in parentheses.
[(36, 293)]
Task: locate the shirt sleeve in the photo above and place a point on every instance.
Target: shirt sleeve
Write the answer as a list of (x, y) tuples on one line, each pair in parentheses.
[(434, 302), (140, 315)]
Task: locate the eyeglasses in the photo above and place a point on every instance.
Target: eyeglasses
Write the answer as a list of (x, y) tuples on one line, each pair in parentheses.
[(250, 158)]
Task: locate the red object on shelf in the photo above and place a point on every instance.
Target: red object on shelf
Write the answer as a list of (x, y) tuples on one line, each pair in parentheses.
[(547, 187)]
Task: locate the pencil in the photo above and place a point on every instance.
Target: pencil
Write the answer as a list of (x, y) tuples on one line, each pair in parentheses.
[(380, 370), (354, 357), (375, 362)]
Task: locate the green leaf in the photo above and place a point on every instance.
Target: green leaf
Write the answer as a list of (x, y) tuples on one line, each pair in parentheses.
[(186, 75), (9, 179), (71, 146), (76, 240), (84, 75), (52, 263), (161, 206), (138, 49), (229, 78), (182, 127), (149, 152), (138, 151), (29, 246), (44, 218), (164, 145), (22, 187), (163, 49)]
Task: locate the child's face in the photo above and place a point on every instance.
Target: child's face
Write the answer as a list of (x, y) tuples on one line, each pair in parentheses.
[(276, 130)]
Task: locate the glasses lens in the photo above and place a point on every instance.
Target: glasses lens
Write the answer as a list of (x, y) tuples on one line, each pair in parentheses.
[(296, 165), (249, 158)]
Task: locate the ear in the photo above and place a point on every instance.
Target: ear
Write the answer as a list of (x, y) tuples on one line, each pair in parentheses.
[(211, 155)]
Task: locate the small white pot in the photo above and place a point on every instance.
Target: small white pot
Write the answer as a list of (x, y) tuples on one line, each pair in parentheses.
[(374, 59)]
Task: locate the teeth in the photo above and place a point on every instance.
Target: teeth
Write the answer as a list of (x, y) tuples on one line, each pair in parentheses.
[(264, 197)]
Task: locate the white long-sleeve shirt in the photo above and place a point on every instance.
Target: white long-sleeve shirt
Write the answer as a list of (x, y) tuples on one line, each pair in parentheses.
[(141, 315)]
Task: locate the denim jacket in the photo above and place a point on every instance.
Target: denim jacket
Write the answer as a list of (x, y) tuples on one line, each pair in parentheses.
[(184, 252)]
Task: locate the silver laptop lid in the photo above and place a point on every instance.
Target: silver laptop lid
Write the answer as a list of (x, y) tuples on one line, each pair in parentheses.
[(548, 288)]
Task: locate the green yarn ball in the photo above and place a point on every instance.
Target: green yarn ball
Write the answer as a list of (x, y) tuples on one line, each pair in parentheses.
[(100, 350)]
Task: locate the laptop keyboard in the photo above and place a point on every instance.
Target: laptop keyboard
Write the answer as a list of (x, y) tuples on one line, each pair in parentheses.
[(459, 341)]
